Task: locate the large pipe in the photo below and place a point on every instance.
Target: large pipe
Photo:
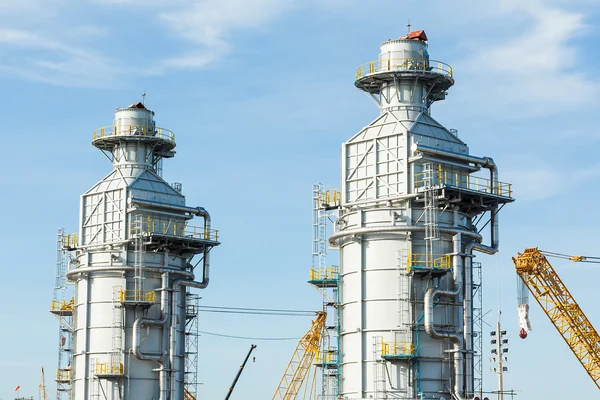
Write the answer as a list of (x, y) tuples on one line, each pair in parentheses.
[(199, 211), (456, 339), (178, 332), (165, 206), (488, 163), (485, 162), (397, 229), (161, 357)]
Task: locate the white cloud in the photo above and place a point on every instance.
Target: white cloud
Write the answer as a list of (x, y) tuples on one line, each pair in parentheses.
[(209, 23), (70, 55), (535, 68)]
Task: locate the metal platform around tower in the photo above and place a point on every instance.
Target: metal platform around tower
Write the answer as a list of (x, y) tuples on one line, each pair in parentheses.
[(62, 307), (109, 370), (327, 359), (464, 190), (325, 277), (178, 236), (143, 298), (63, 376), (163, 140), (371, 76), (397, 350)]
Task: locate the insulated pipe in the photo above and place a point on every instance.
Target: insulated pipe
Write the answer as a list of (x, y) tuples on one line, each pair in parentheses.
[(164, 321), (165, 206), (488, 163), (457, 339), (178, 325)]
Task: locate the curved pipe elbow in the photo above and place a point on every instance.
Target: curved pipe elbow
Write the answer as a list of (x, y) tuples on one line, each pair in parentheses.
[(137, 328), (428, 318)]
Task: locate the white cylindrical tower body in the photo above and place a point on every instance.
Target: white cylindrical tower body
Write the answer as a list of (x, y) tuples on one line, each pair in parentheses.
[(403, 232), (131, 269)]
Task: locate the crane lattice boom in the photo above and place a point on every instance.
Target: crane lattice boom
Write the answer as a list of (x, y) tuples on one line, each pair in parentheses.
[(562, 309), (301, 361), (43, 394)]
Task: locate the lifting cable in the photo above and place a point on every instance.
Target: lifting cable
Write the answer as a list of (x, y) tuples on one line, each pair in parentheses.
[(247, 338), (587, 259), (257, 311)]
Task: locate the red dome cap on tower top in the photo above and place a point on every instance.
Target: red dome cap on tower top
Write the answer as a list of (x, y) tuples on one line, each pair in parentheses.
[(415, 35)]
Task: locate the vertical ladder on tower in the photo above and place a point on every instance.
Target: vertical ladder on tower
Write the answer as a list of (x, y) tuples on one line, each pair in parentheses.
[(379, 383), (478, 330), (116, 357), (138, 236), (432, 233), (403, 299), (95, 392)]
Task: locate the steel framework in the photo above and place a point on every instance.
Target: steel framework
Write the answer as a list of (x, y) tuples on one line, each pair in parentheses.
[(559, 305)]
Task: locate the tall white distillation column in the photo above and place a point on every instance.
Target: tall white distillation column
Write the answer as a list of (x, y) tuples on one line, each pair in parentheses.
[(406, 234), (132, 267)]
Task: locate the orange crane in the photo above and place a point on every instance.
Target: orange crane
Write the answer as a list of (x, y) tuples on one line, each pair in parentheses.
[(556, 301), (43, 395), (301, 361)]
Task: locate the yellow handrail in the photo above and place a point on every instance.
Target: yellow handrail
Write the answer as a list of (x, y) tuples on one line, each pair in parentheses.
[(428, 261), (146, 296), (134, 130), (404, 64), (324, 274), (330, 197), (326, 357), (70, 240), (62, 305), (63, 374), (395, 349), (449, 178), (172, 228), (108, 368)]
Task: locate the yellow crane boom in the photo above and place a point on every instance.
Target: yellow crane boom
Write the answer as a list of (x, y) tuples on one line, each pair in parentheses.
[(301, 361), (43, 394), (561, 308)]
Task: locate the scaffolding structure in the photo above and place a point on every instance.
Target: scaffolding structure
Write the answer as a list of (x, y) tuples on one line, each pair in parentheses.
[(477, 329), (62, 307), (191, 345), (327, 281)]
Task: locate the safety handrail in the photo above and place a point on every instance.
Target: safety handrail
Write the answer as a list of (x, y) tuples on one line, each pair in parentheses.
[(62, 305), (428, 261), (324, 274), (172, 228), (396, 349), (404, 64), (134, 130), (108, 368), (449, 178), (70, 240), (131, 295)]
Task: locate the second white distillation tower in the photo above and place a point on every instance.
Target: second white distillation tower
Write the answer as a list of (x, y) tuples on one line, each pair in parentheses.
[(406, 236)]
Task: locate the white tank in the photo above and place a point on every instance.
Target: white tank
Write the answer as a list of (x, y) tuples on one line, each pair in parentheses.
[(132, 269), (405, 235)]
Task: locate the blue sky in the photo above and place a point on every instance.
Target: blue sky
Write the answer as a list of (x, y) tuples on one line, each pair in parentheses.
[(260, 95)]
